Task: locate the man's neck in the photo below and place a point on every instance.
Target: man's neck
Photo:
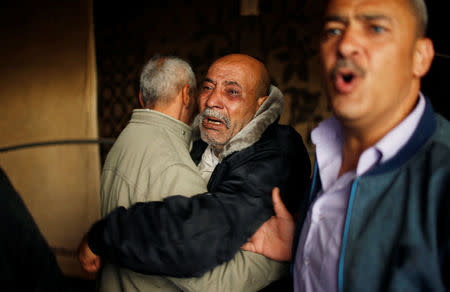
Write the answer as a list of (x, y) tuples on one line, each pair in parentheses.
[(172, 110), (217, 150), (357, 138), (352, 149)]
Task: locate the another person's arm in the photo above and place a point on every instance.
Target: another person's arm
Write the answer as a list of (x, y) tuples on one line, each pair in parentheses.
[(246, 271), (188, 236), (249, 270)]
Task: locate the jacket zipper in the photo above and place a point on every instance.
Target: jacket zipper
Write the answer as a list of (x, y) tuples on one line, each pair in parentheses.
[(345, 236), (313, 185)]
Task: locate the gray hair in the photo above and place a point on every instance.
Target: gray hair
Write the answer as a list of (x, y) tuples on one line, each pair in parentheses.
[(419, 9), (163, 77)]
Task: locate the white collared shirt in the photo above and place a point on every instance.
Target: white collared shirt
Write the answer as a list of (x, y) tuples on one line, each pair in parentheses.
[(207, 164)]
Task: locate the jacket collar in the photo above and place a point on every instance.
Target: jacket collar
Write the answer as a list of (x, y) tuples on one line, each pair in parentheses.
[(267, 113), (425, 129), (166, 122)]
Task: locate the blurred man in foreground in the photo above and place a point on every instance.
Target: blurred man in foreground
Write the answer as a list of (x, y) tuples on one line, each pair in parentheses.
[(377, 218)]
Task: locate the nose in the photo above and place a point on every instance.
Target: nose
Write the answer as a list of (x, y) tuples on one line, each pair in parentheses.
[(214, 99), (349, 43)]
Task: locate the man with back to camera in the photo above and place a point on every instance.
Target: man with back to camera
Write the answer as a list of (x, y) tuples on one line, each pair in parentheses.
[(150, 159), (252, 153), (378, 215)]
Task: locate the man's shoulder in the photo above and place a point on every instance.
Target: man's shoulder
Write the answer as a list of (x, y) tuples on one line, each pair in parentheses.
[(135, 130), (435, 153), (438, 150), (443, 131), (284, 136), (287, 131), (282, 140), (146, 145)]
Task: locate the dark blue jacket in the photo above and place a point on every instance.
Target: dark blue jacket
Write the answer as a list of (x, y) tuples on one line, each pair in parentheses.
[(188, 236), (397, 228)]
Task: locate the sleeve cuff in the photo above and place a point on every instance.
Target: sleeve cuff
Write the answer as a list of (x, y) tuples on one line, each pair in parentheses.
[(95, 237)]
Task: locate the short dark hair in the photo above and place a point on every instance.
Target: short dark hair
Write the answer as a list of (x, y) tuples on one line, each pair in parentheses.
[(419, 9)]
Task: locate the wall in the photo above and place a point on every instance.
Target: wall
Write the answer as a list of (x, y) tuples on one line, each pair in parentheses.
[(48, 91), (283, 35)]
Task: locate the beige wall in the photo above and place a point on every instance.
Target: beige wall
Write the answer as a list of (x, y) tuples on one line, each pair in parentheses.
[(48, 92)]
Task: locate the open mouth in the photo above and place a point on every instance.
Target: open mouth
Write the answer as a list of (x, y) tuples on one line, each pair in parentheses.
[(213, 120), (348, 77), (209, 122), (345, 81)]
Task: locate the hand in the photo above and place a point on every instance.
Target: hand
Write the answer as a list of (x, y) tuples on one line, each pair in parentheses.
[(89, 260), (274, 238)]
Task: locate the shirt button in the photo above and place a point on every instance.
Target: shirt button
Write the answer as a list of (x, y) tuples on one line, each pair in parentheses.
[(183, 132), (320, 217), (307, 261)]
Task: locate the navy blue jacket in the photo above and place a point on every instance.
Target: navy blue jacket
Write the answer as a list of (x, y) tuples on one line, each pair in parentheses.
[(186, 237), (397, 227)]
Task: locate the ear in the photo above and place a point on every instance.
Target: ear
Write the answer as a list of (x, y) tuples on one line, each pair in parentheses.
[(260, 100), (186, 96), (140, 100), (423, 56)]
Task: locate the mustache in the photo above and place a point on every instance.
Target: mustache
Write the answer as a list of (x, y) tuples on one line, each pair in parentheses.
[(348, 64), (215, 114)]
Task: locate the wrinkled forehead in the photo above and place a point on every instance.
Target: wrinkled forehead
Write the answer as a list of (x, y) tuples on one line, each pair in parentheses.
[(226, 72)]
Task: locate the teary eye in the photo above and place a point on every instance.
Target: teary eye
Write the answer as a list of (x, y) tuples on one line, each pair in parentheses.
[(206, 87), (232, 91)]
